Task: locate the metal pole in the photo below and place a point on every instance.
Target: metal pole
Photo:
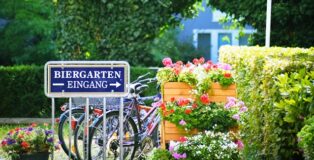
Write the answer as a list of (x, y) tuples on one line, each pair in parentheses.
[(53, 124), (121, 133), (268, 24), (87, 127), (70, 125), (104, 129)]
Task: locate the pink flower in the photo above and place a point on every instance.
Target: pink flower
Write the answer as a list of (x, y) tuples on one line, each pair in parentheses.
[(201, 60), (196, 61), (236, 117), (231, 99), (243, 109), (179, 156), (182, 123), (226, 67), (240, 144), (182, 139), (167, 62), (229, 104)]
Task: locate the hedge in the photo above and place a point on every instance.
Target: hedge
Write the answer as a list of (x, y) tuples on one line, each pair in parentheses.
[(277, 84), (22, 91)]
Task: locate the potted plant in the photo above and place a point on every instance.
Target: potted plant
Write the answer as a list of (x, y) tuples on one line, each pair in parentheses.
[(30, 143)]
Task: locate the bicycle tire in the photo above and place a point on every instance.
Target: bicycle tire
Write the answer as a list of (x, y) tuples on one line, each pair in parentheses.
[(112, 142), (63, 119)]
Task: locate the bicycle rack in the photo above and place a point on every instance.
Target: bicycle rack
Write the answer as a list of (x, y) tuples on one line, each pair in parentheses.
[(57, 88)]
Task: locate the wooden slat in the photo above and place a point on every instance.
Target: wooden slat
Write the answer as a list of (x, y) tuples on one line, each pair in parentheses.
[(218, 86), (174, 85), (222, 92), (177, 91)]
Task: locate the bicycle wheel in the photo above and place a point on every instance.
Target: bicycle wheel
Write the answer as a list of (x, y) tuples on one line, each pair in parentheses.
[(63, 129), (130, 138)]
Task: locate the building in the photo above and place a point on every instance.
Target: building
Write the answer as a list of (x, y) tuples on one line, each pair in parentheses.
[(208, 35)]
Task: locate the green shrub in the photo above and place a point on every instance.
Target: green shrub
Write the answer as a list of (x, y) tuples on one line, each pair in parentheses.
[(161, 154), (306, 137), (22, 91), (277, 86)]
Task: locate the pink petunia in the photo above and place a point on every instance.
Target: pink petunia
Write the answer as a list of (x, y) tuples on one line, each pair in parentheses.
[(182, 123), (243, 109)]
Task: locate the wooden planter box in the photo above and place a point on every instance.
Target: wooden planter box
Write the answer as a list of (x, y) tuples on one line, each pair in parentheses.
[(169, 131)]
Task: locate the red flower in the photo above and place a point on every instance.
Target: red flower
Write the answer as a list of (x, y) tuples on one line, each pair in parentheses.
[(183, 101), (3, 143), (163, 106), (172, 99), (205, 99), (25, 145), (182, 139), (33, 124), (201, 60), (188, 65), (57, 120), (215, 66), (171, 111), (17, 129), (187, 111), (227, 75), (177, 70), (209, 62), (196, 61), (194, 106)]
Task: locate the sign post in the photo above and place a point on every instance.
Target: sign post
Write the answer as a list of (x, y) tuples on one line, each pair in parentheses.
[(67, 79)]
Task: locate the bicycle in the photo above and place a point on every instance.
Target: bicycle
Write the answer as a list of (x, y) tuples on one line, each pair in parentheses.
[(138, 131)]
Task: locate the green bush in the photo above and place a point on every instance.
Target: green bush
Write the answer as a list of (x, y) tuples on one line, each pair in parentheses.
[(280, 86), (306, 137), (22, 91)]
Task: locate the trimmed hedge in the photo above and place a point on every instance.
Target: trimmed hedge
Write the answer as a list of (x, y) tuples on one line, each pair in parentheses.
[(277, 84), (22, 91)]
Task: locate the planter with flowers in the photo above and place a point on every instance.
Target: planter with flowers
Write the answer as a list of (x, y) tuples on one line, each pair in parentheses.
[(193, 80), (30, 143)]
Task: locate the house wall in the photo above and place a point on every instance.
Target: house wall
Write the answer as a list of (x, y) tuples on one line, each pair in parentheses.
[(206, 23)]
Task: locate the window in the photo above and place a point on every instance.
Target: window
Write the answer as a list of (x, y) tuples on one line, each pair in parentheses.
[(244, 40), (224, 39), (203, 44)]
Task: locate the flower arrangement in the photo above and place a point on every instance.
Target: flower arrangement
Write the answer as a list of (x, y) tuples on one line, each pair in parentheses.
[(28, 140), (202, 114), (207, 146), (199, 73)]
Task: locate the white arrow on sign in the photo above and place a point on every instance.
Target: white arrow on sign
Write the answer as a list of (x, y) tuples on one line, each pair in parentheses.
[(117, 84)]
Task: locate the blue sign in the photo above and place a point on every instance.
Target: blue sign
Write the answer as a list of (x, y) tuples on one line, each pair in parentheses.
[(91, 80)]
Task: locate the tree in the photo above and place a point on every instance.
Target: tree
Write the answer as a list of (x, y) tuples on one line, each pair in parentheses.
[(28, 36), (116, 29), (291, 20)]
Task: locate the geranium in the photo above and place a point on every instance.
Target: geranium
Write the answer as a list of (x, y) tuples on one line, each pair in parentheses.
[(189, 114), (198, 73), (30, 139), (167, 62), (237, 106)]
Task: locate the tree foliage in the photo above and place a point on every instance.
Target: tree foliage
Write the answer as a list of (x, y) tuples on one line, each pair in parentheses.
[(291, 20), (27, 38), (116, 29)]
